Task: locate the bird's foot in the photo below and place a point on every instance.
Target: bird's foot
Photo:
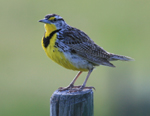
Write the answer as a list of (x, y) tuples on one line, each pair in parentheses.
[(75, 88), (70, 87), (82, 88)]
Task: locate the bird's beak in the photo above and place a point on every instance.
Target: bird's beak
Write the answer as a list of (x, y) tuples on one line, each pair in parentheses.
[(45, 21)]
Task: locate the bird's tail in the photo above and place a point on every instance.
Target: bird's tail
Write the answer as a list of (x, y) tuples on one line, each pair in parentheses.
[(120, 57)]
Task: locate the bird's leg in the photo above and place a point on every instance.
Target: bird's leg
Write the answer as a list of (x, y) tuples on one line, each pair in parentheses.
[(71, 85), (83, 86)]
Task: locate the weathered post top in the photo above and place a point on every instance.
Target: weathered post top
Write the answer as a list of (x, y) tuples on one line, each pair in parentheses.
[(63, 103)]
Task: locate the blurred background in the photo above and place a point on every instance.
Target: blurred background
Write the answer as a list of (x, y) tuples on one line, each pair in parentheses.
[(28, 77)]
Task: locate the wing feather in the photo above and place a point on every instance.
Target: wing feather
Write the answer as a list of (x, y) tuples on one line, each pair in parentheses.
[(85, 47)]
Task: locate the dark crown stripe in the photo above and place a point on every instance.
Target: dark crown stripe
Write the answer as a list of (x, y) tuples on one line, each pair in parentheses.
[(46, 40)]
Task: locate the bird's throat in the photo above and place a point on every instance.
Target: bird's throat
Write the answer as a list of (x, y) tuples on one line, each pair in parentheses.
[(49, 28)]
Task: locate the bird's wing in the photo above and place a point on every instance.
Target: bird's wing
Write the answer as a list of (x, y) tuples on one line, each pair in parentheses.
[(85, 47)]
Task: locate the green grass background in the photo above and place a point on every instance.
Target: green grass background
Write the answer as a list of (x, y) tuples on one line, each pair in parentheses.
[(28, 77)]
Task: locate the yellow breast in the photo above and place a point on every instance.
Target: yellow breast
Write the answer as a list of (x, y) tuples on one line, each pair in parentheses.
[(53, 52)]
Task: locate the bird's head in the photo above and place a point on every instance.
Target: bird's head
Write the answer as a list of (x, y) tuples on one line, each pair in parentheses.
[(54, 20)]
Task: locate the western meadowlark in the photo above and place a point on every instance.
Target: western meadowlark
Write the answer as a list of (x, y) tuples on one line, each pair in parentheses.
[(73, 49)]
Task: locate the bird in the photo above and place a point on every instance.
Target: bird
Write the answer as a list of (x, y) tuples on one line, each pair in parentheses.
[(74, 49)]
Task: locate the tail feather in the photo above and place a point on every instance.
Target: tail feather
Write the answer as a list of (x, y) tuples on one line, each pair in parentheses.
[(120, 57)]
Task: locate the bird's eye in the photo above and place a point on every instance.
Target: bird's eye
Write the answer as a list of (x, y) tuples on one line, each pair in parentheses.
[(54, 19)]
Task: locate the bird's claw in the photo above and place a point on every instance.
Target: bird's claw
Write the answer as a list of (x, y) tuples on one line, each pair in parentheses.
[(70, 87), (75, 88), (82, 88)]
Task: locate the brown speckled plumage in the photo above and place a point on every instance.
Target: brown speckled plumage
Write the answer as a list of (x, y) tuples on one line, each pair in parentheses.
[(73, 49), (86, 48)]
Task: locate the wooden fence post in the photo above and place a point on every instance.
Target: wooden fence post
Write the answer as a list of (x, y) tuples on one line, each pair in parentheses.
[(72, 104)]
